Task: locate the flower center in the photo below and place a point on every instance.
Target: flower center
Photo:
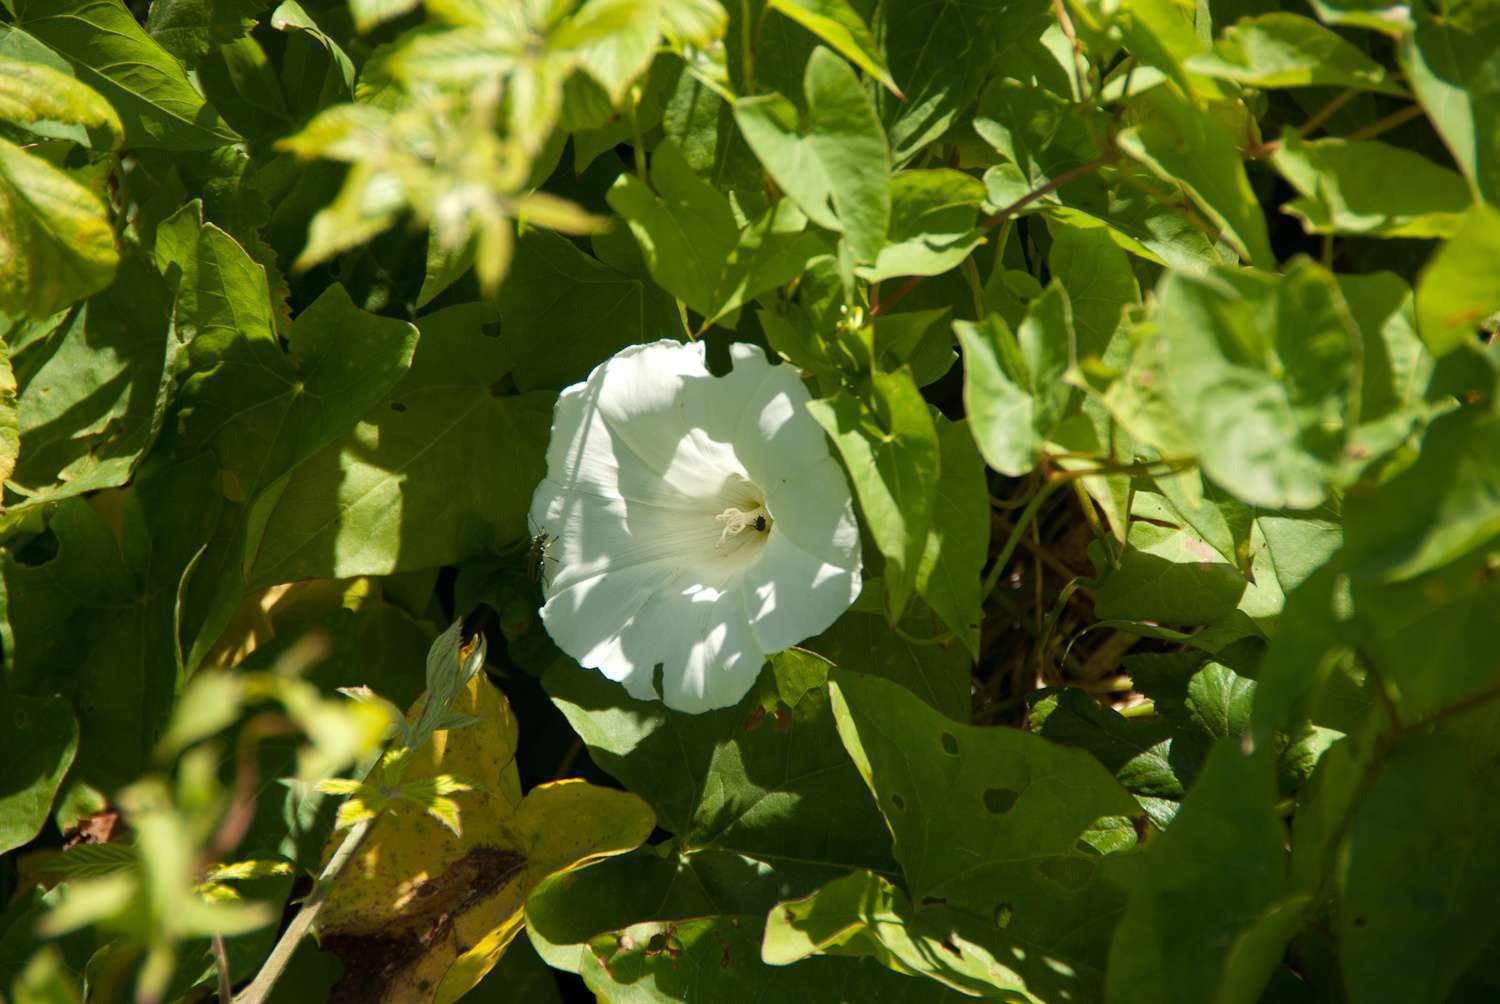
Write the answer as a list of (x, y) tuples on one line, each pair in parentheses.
[(736, 521)]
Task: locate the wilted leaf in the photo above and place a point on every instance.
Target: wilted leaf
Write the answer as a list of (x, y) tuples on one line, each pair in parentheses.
[(421, 914)]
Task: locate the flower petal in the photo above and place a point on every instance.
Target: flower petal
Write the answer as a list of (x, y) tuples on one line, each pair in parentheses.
[(762, 411), (791, 595), (814, 508), (639, 394)]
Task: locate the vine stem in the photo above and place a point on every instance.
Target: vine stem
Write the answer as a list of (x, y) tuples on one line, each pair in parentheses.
[(1043, 493), (286, 947)]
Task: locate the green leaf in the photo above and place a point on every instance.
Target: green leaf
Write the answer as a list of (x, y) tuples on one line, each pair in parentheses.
[(1100, 284), (1042, 134), (834, 168), (1288, 50), (1369, 188), (719, 958), (766, 780), (1013, 384), (1453, 73), (564, 311), (1420, 869), (37, 747), (838, 24), (93, 385), (89, 625), (958, 542), (1138, 751), (369, 13), (1460, 286), (989, 820), (892, 454), (694, 247), (1391, 17), (251, 413), (1210, 913), (932, 229), (112, 54), (1169, 575), (40, 97), (1260, 369), (939, 57), (1160, 33), (191, 29), (1434, 511), (939, 674), (46, 980), (864, 914), (56, 242), (1185, 145), (400, 490)]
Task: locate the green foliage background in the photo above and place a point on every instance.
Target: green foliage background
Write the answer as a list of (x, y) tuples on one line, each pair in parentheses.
[(287, 292)]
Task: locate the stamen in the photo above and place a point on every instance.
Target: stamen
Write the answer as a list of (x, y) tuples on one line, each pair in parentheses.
[(736, 520)]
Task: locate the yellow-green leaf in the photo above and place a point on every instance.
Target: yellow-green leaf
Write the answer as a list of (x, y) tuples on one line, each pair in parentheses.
[(451, 904), (56, 244), (32, 93)]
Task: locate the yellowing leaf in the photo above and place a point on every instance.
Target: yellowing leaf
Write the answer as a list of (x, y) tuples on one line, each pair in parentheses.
[(421, 914)]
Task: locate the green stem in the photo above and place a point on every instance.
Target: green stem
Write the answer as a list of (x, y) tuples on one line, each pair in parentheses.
[(286, 947)]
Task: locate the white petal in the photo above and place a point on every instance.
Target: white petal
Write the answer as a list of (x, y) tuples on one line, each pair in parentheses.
[(696, 632), (639, 394), (584, 620), (814, 509), (721, 660), (791, 595), (590, 534), (762, 410)]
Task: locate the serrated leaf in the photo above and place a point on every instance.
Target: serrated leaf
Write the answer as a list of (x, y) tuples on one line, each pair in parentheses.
[(369, 13)]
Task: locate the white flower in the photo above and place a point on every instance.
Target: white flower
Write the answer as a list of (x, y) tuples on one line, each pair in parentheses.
[(693, 522)]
